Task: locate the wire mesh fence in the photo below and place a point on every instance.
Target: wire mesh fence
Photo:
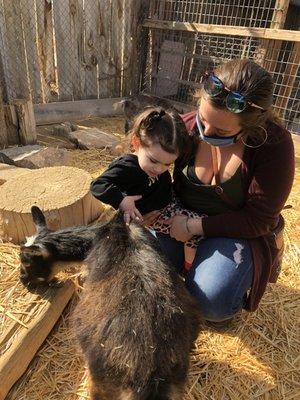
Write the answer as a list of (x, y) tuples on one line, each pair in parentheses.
[(256, 13), (177, 62)]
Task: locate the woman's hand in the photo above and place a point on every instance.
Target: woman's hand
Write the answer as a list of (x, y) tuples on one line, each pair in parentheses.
[(127, 205), (183, 228), (178, 228)]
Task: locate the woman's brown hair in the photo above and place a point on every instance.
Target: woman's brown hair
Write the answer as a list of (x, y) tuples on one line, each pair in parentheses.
[(253, 82)]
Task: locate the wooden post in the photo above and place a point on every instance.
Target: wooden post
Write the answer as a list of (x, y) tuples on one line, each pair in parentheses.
[(12, 125), (26, 121), (26, 343), (289, 77), (267, 53), (3, 130), (135, 46)]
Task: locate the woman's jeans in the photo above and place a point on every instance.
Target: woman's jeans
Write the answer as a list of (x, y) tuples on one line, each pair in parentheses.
[(220, 276)]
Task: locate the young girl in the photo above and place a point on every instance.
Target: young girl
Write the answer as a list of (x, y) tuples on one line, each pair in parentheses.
[(140, 182)]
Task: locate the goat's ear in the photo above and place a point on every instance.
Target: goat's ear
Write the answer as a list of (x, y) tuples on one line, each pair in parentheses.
[(35, 250), (38, 218)]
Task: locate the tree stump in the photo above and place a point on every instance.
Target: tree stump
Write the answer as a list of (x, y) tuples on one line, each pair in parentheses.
[(10, 172), (62, 193)]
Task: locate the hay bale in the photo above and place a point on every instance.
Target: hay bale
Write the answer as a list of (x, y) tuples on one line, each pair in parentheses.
[(61, 192)]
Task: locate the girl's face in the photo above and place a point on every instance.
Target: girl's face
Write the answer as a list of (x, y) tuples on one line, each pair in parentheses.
[(154, 160), (218, 122)]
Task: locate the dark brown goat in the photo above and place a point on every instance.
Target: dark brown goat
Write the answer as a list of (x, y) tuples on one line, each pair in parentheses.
[(135, 322), (133, 105)]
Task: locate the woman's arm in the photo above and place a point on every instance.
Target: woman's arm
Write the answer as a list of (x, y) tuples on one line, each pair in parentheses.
[(272, 173)]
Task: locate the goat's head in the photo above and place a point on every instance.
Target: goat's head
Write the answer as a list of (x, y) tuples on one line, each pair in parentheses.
[(35, 255)]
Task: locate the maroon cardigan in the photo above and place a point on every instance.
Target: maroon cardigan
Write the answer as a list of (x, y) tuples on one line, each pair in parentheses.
[(267, 174)]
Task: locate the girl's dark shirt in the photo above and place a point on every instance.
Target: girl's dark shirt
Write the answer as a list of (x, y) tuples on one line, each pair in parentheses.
[(124, 177)]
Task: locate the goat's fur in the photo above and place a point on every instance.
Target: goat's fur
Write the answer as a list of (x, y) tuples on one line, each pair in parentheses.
[(135, 322), (42, 256)]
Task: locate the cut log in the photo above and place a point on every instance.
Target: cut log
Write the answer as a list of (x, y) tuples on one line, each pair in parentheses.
[(27, 339), (62, 193), (10, 172)]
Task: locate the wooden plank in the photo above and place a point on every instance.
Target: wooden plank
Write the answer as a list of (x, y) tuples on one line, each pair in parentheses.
[(105, 69), (169, 69), (264, 33), (15, 50), (74, 110), (76, 48), (91, 59), (135, 45), (5, 71), (12, 126), (118, 13), (46, 50), (26, 121), (62, 23), (4, 142), (28, 12), (28, 340)]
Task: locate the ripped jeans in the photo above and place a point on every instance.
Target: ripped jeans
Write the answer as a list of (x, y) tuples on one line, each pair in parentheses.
[(220, 276)]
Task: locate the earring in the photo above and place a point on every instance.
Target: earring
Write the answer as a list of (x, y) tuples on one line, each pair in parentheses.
[(264, 141)]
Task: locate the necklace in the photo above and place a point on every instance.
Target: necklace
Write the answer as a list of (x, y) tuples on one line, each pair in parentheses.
[(152, 180)]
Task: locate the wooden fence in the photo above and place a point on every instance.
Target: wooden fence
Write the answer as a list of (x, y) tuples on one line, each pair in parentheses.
[(64, 50), (59, 50)]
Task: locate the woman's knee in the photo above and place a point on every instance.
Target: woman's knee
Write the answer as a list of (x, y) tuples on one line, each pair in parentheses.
[(220, 280)]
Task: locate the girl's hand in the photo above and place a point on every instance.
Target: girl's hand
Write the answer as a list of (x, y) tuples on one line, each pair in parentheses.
[(127, 205), (150, 217)]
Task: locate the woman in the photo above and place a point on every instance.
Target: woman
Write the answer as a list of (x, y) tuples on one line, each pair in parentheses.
[(240, 176)]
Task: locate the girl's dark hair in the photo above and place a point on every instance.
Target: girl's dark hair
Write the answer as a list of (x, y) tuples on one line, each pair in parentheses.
[(155, 125), (253, 82)]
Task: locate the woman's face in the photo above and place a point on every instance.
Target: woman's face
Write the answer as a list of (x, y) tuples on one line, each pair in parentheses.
[(216, 121)]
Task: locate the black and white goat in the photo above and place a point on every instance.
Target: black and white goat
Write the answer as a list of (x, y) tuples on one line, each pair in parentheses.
[(43, 255)]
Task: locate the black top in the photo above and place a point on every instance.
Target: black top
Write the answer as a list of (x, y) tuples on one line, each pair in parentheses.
[(124, 177)]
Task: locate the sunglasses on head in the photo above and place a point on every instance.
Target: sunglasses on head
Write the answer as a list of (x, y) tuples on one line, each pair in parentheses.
[(235, 102)]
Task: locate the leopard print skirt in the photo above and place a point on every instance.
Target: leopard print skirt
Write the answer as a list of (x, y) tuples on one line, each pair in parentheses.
[(175, 208)]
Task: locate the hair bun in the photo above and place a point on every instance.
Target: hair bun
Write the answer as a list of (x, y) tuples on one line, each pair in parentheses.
[(153, 117)]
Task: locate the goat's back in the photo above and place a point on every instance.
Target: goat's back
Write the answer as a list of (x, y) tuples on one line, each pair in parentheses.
[(135, 322)]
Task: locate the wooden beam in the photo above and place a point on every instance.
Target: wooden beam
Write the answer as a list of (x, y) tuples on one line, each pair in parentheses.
[(53, 113), (27, 341), (3, 131), (263, 33), (26, 121)]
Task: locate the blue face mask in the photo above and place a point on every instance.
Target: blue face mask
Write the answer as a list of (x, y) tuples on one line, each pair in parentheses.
[(215, 140)]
